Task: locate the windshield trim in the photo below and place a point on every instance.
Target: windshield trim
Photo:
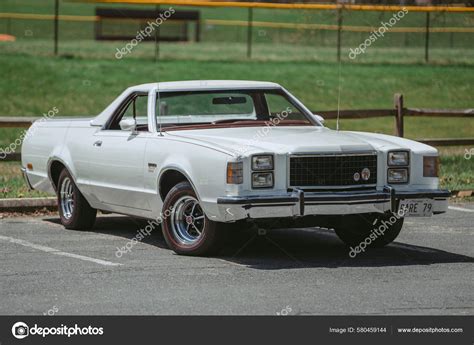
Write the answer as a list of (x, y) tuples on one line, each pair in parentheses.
[(279, 90)]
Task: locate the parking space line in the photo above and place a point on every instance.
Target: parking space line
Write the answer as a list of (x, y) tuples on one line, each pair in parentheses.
[(462, 209), (57, 252)]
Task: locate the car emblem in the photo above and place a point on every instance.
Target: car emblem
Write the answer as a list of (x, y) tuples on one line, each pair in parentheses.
[(356, 176), (365, 174)]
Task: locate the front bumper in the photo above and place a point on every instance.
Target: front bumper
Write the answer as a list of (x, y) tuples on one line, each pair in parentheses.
[(299, 203)]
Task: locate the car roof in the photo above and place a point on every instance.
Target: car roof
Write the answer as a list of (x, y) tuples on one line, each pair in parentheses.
[(188, 85), (191, 85)]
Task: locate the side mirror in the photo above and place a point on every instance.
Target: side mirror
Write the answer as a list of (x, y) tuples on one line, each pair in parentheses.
[(128, 125), (319, 118)]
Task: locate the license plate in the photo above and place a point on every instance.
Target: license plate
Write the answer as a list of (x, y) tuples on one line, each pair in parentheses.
[(417, 207)]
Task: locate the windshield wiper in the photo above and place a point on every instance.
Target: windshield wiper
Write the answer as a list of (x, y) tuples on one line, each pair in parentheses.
[(230, 120)]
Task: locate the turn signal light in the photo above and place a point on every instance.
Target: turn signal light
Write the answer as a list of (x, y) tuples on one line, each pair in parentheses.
[(235, 172), (430, 166)]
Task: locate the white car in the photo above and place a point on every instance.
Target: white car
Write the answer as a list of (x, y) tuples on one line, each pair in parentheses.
[(197, 155)]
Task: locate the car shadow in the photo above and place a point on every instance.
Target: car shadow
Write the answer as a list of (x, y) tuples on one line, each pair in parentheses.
[(289, 248)]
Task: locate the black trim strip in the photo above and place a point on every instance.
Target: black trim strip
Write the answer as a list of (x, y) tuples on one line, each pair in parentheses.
[(350, 203), (302, 202), (423, 194), (376, 196), (256, 200), (249, 206)]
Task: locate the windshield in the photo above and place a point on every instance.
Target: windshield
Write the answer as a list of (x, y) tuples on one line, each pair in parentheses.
[(228, 107)]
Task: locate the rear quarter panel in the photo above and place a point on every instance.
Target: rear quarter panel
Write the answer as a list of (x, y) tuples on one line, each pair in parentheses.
[(62, 140), (42, 141)]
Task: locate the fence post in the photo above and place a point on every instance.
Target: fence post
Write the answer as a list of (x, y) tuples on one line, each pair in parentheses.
[(339, 29), (427, 36), (56, 26), (398, 101), (249, 32), (198, 29), (157, 36), (9, 26)]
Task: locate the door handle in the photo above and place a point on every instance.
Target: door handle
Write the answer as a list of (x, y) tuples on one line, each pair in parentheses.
[(98, 143)]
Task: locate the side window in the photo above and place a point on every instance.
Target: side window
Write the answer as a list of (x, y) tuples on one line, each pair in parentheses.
[(135, 109)]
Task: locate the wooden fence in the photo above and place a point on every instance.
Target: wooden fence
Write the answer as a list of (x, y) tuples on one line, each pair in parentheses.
[(398, 112)]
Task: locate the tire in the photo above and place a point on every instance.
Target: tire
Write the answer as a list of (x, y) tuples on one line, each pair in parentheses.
[(186, 228), (380, 229), (74, 210)]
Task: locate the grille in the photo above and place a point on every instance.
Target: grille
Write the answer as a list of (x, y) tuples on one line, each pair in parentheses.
[(338, 170)]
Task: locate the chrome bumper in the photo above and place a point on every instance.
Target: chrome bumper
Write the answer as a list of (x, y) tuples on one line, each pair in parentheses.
[(298, 203)]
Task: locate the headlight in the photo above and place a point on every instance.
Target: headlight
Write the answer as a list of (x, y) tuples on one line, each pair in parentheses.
[(235, 173), (430, 166), (397, 175), (398, 158), (262, 180), (264, 162)]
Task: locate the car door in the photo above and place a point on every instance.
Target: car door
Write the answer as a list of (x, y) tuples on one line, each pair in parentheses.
[(117, 164)]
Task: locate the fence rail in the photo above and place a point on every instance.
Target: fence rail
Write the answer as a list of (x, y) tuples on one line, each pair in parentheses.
[(399, 112)]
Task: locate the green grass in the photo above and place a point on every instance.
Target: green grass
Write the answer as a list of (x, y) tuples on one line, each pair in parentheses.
[(12, 184), (236, 51), (457, 172), (33, 85)]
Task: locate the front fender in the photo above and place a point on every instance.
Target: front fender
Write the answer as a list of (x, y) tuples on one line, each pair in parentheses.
[(203, 167)]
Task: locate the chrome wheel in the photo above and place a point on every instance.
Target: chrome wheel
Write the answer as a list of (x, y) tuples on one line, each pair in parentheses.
[(187, 220), (66, 197)]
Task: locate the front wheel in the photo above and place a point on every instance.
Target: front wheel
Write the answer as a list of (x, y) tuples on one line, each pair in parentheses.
[(375, 229), (186, 228)]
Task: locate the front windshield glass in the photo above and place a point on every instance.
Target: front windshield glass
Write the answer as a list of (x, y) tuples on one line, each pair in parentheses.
[(236, 107)]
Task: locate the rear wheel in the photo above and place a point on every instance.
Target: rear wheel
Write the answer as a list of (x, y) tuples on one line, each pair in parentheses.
[(186, 228), (376, 230), (74, 210)]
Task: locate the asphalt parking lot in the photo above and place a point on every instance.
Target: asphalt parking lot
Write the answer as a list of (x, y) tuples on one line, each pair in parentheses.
[(46, 269)]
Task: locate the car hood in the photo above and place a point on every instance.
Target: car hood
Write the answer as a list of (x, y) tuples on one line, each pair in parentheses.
[(286, 139)]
